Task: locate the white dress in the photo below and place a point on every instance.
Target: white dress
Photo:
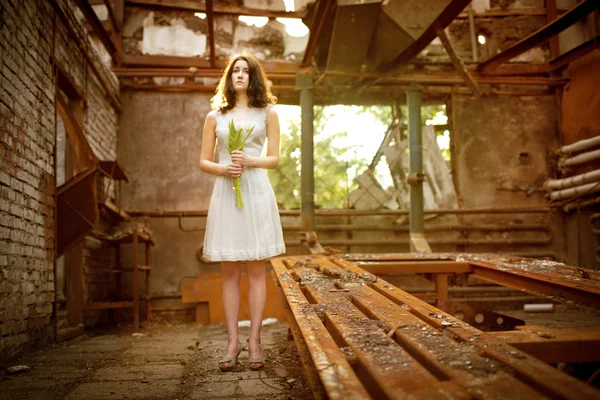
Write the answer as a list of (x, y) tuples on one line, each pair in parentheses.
[(253, 232)]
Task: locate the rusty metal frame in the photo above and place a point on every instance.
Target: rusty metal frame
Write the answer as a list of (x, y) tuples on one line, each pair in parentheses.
[(544, 33), (98, 27), (63, 19)]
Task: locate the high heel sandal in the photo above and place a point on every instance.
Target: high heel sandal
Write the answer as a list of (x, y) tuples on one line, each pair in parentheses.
[(229, 364), (255, 364)]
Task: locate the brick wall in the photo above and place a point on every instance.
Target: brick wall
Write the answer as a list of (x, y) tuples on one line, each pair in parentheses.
[(28, 40)]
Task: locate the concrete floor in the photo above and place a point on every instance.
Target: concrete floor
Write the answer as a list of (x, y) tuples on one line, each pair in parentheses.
[(167, 362)]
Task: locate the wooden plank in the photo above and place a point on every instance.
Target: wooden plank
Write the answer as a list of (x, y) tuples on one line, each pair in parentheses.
[(581, 295), (538, 375), (336, 374), (414, 267), (444, 357), (555, 345), (544, 33), (386, 369)]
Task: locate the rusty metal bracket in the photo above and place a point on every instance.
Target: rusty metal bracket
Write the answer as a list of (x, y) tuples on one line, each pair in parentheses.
[(415, 178)]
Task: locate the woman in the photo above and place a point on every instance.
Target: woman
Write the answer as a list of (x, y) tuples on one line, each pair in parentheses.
[(252, 233)]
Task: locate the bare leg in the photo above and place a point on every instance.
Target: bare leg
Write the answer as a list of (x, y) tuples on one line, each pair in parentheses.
[(257, 297), (231, 303)]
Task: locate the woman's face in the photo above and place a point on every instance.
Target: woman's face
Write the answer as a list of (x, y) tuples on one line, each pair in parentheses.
[(240, 76)]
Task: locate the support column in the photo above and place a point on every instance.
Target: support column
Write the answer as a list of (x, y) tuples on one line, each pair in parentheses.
[(304, 84), (416, 177)]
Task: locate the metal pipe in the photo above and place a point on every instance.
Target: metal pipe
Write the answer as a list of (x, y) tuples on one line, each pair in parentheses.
[(352, 213), (304, 83), (554, 184), (581, 204), (582, 158), (580, 145), (439, 241), (404, 228), (472, 31), (416, 177), (580, 190)]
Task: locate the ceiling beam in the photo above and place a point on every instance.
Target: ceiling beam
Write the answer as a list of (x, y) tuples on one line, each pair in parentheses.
[(217, 8), (99, 29), (148, 61), (446, 78), (515, 12), (111, 15), (211, 31), (443, 20), (458, 64), (544, 33), (576, 53), (320, 15), (82, 47)]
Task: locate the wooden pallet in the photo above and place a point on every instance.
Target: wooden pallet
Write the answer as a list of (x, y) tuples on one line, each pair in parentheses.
[(360, 337)]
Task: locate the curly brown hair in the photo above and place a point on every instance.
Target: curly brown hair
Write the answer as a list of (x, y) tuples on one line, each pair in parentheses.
[(259, 94)]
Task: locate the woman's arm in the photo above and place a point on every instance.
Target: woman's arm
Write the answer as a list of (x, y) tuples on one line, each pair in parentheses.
[(271, 160), (209, 138)]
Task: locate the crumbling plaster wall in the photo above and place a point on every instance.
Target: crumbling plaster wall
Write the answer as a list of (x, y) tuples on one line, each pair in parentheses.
[(179, 33), (27, 170), (501, 147)]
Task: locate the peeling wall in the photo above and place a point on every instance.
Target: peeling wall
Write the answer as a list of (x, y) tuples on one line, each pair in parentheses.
[(501, 148), (178, 33)]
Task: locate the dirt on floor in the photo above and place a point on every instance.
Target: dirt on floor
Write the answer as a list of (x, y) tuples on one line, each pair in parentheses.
[(164, 361)]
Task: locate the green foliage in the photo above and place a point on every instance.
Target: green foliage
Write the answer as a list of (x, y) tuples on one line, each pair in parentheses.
[(334, 159)]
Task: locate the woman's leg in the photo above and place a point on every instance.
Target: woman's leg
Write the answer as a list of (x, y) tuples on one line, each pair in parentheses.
[(231, 303), (257, 297)]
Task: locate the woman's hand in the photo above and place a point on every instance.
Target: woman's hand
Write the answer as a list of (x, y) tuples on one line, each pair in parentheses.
[(241, 158), (233, 170)]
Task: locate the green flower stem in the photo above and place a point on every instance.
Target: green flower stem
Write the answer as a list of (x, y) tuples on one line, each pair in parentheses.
[(238, 192)]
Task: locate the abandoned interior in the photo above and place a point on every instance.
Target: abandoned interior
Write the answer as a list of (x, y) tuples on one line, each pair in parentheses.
[(461, 259)]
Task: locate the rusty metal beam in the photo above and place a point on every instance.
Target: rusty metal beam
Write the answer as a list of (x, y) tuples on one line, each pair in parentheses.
[(101, 32), (551, 15), (442, 21), (337, 213), (575, 54), (185, 72), (191, 87), (63, 18), (467, 78), (146, 61), (505, 13), (211, 31), (218, 8), (450, 79), (113, 19), (544, 33), (320, 15)]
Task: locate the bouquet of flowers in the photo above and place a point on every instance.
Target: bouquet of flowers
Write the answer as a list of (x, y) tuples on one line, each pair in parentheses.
[(236, 141)]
